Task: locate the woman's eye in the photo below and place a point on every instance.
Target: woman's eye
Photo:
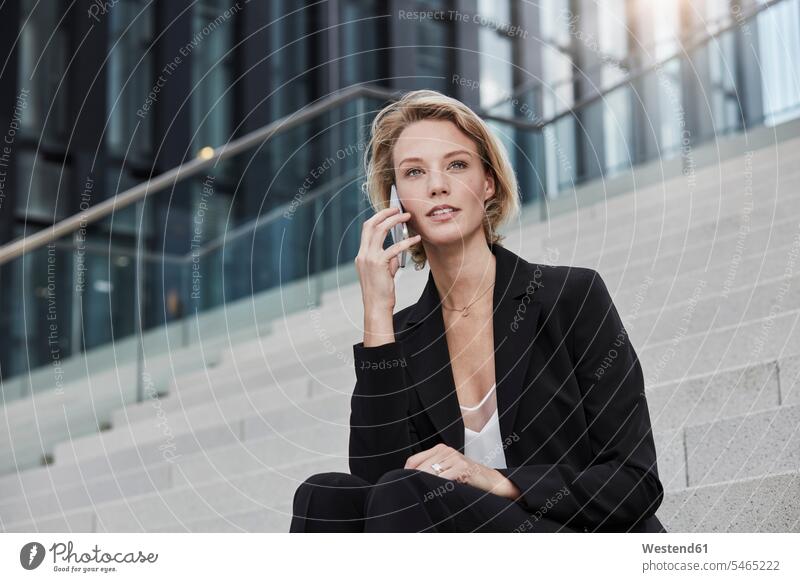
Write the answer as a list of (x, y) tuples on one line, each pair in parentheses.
[(458, 164), (461, 165)]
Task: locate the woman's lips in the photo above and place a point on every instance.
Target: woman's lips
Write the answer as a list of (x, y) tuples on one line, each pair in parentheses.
[(444, 217)]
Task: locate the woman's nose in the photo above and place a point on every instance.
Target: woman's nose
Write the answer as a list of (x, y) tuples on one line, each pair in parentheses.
[(437, 183)]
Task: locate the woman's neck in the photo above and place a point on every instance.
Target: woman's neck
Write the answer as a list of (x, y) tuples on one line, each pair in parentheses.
[(463, 272)]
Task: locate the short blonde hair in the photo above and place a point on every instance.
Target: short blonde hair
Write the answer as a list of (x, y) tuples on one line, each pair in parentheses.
[(426, 104)]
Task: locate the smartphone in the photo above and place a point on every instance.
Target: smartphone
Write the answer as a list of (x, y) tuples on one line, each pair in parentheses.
[(400, 230)]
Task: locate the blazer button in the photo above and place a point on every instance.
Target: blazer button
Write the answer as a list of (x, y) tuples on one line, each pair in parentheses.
[(585, 529)]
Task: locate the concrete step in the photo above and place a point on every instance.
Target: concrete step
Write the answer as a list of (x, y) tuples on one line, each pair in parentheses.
[(704, 311), (738, 172), (683, 259), (770, 198), (233, 417), (31, 427), (143, 445), (755, 444), (737, 507), (82, 520), (736, 351), (343, 342), (277, 519), (737, 384), (714, 247), (181, 361), (300, 388), (259, 491), (783, 515), (259, 364), (249, 377), (315, 367), (215, 433), (276, 453), (637, 292), (687, 355), (322, 324), (739, 304), (279, 447), (147, 513), (673, 404), (764, 504), (761, 504), (47, 425), (720, 394), (697, 454)]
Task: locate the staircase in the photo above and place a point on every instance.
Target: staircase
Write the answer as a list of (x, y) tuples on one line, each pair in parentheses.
[(706, 279)]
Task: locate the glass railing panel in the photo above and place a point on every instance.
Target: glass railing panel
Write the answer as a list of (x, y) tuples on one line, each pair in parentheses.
[(778, 43), (39, 310), (618, 145)]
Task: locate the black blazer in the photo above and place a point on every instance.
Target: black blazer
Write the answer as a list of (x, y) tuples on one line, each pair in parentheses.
[(570, 396)]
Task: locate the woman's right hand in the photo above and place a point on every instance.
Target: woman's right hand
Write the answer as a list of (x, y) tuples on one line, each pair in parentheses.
[(377, 266)]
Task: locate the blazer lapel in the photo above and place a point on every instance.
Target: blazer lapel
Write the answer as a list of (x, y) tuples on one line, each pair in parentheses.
[(515, 321)]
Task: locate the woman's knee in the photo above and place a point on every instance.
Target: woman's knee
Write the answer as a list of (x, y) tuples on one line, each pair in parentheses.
[(330, 489), (396, 487), (334, 479), (329, 502), (401, 476), (329, 485)]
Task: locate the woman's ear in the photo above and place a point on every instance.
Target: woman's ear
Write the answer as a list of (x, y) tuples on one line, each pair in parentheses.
[(489, 186)]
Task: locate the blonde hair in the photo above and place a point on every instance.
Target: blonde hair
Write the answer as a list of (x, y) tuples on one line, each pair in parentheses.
[(426, 104)]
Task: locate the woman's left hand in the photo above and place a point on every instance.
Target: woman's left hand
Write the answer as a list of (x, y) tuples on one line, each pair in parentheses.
[(457, 467)]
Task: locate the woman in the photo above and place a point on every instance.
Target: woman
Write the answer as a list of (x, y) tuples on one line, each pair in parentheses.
[(509, 397)]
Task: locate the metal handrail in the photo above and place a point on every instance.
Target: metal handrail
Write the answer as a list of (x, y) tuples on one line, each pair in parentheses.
[(193, 167)]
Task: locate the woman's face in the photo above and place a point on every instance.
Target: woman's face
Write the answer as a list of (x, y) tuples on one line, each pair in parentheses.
[(435, 164)]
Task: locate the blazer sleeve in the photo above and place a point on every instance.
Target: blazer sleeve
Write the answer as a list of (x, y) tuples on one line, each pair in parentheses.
[(381, 435), (621, 484)]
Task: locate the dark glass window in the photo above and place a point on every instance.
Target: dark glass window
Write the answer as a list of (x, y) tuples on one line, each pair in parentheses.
[(42, 65), (130, 81)]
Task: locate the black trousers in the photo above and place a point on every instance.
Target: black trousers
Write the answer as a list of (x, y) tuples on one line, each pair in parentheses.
[(407, 500)]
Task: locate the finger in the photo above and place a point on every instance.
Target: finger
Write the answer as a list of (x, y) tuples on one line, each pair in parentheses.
[(394, 266), (414, 461), (369, 225), (451, 473), (381, 215), (444, 458), (419, 460), (380, 218), (429, 470), (427, 467), (381, 230), (398, 247), (374, 236), (450, 469)]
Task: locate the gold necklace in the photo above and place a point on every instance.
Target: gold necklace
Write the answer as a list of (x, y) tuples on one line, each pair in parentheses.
[(465, 310)]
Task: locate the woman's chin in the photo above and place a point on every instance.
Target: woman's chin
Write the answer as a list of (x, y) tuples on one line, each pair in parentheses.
[(453, 238)]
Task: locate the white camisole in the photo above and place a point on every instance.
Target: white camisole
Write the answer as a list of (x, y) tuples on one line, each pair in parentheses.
[(486, 446)]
